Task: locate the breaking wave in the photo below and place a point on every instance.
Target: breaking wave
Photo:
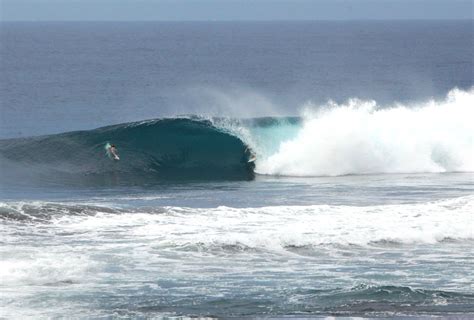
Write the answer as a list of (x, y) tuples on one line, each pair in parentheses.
[(179, 148), (359, 137)]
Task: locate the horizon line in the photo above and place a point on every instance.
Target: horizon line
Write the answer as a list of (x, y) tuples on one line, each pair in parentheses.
[(255, 20)]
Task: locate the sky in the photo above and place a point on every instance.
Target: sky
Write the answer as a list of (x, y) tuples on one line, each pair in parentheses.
[(224, 10)]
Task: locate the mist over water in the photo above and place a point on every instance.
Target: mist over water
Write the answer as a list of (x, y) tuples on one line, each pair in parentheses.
[(59, 77)]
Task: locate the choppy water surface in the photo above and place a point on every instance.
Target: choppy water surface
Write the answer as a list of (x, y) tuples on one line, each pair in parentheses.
[(317, 246)]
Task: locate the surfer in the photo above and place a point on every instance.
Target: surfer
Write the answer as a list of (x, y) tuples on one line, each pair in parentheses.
[(251, 155), (113, 151)]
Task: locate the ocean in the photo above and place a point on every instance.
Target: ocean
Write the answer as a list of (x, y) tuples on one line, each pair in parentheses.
[(267, 169)]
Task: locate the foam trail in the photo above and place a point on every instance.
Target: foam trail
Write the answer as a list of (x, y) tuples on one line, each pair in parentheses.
[(361, 138)]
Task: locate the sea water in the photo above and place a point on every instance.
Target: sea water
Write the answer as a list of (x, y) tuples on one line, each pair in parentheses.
[(360, 201)]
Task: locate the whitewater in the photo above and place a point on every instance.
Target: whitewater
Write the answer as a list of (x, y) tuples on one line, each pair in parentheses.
[(361, 137), (377, 260)]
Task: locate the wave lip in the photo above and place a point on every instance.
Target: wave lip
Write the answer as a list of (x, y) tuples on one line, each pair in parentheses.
[(154, 150)]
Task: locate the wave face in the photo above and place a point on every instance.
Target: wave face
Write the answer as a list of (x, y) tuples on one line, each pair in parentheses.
[(360, 137), (151, 150)]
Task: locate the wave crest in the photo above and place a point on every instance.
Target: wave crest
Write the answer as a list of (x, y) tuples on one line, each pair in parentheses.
[(179, 148), (358, 137)]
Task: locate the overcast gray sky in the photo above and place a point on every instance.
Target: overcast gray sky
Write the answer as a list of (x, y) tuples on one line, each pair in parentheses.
[(175, 10)]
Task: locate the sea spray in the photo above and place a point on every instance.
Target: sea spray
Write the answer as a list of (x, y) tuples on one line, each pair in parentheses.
[(360, 137)]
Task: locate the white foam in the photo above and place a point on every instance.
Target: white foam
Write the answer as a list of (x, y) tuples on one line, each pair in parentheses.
[(274, 229), (274, 226), (52, 266), (80, 250), (278, 227), (360, 137)]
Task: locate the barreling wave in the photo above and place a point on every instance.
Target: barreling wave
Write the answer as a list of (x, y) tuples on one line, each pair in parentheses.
[(359, 137), (178, 148)]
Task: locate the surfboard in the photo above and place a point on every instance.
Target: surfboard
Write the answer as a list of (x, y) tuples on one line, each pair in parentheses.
[(109, 154)]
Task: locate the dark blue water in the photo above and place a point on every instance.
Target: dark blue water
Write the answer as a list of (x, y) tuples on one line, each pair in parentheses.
[(359, 204), (60, 77)]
